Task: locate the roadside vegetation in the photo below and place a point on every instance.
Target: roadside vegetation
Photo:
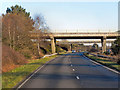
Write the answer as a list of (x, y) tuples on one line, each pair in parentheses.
[(113, 60), (13, 77), (116, 48), (18, 47), (21, 55), (105, 61)]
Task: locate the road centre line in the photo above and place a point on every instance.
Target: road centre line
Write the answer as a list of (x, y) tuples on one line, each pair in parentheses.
[(73, 69), (69, 60), (77, 77)]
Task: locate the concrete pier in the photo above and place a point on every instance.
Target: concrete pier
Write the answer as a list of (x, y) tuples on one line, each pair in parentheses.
[(103, 41), (53, 45)]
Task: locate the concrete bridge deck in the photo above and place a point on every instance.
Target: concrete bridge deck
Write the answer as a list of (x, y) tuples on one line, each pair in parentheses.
[(94, 35), (79, 42)]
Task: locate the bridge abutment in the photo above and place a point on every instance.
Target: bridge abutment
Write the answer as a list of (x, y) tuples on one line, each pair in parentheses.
[(103, 41)]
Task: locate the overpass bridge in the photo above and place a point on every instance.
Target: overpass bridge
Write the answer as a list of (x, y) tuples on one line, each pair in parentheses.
[(81, 42), (94, 35)]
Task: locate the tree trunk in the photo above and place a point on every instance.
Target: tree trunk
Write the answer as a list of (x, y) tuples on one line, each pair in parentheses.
[(39, 46), (9, 36), (13, 39)]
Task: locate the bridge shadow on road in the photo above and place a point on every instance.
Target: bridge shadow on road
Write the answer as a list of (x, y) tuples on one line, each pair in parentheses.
[(78, 65)]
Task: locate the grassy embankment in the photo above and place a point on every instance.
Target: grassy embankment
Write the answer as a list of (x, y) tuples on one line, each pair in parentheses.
[(106, 62), (13, 77)]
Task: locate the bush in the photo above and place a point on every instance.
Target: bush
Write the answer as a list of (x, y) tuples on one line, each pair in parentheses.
[(93, 50), (11, 59), (27, 55), (107, 53), (118, 61)]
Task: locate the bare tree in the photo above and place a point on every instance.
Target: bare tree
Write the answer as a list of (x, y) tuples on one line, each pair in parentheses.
[(40, 28), (40, 24)]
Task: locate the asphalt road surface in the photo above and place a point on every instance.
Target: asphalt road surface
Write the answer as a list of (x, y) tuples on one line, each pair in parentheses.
[(72, 70)]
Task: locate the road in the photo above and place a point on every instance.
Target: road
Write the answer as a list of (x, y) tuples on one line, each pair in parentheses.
[(72, 70)]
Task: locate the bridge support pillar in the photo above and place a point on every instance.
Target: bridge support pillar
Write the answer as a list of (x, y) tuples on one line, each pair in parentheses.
[(70, 47), (53, 45), (103, 41)]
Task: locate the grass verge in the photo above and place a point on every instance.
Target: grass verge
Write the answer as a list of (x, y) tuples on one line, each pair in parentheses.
[(12, 78), (105, 62)]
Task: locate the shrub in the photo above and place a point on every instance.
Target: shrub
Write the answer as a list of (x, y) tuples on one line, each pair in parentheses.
[(27, 55), (93, 50), (11, 59), (107, 53), (118, 61)]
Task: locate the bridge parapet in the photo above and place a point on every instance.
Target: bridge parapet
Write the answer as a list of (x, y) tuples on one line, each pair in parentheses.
[(79, 42), (77, 35)]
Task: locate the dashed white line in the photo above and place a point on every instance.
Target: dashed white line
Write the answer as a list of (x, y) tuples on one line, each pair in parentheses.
[(77, 77), (69, 60), (73, 69)]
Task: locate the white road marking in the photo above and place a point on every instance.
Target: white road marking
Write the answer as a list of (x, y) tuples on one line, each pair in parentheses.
[(33, 74), (73, 69), (103, 66), (77, 77), (69, 60)]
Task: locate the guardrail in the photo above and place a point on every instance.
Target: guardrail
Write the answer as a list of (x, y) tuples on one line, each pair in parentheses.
[(49, 55), (102, 56)]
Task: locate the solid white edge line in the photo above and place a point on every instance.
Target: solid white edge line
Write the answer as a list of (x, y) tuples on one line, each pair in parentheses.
[(106, 67), (32, 75), (29, 77), (103, 66)]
